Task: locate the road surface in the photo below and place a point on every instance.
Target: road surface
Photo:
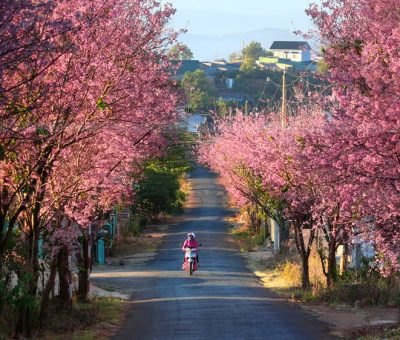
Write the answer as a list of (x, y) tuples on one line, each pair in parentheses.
[(223, 300)]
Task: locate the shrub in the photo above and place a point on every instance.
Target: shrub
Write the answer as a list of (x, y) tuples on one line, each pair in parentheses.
[(317, 276), (290, 272), (85, 316), (14, 301), (258, 240), (370, 290)]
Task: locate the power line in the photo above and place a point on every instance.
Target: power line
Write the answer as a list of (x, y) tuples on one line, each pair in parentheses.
[(263, 91)]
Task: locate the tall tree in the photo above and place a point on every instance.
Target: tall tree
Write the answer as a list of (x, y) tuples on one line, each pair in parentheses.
[(234, 57), (198, 89), (180, 52), (253, 51)]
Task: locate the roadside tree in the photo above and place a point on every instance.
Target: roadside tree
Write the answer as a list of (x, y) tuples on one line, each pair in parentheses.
[(360, 39), (84, 87)]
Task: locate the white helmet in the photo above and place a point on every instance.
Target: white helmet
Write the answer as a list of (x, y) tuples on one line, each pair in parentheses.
[(191, 234)]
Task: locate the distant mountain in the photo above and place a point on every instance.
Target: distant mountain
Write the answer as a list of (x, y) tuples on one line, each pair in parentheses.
[(211, 47)]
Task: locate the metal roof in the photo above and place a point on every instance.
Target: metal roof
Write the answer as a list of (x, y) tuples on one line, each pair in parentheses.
[(186, 66), (290, 45)]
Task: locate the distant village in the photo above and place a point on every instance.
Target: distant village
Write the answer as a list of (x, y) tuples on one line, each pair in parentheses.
[(250, 80), (292, 55)]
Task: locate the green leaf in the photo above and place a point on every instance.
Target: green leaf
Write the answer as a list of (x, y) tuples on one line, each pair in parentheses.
[(101, 104)]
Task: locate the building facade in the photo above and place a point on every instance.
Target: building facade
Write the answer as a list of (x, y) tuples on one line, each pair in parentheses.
[(298, 51)]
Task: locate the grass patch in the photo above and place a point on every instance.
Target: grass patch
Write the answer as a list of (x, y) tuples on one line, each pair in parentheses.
[(290, 273), (390, 334), (241, 235), (94, 320), (282, 274), (135, 245), (371, 291), (257, 240), (246, 240), (109, 289)]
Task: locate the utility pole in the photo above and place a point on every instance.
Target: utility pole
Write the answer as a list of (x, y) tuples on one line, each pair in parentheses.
[(246, 108), (283, 110)]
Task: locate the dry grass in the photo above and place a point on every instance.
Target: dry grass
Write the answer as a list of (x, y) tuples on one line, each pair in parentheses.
[(317, 276), (98, 319), (290, 273), (185, 185), (242, 237), (135, 245), (282, 274), (390, 334), (375, 295)]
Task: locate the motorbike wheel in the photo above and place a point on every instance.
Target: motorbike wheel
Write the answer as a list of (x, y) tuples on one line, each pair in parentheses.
[(190, 268)]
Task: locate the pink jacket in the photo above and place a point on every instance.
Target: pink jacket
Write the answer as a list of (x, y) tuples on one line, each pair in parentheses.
[(190, 244)]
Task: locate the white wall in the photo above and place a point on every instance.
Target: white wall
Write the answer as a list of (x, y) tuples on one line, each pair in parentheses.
[(294, 55), (274, 230), (306, 56)]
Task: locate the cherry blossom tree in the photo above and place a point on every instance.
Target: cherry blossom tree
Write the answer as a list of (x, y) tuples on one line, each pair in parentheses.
[(335, 166), (361, 39), (253, 155), (84, 99), (289, 177)]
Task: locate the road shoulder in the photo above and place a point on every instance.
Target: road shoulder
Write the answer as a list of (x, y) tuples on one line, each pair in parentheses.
[(344, 321)]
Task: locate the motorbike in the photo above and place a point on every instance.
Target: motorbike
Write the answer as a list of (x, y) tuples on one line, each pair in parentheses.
[(190, 264)]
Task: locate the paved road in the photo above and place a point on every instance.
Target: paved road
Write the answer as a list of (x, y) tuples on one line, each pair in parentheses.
[(223, 300)]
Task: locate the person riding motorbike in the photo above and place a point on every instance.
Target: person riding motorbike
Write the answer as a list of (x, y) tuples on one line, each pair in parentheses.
[(191, 242)]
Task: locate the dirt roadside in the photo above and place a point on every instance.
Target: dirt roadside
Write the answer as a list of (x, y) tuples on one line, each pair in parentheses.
[(345, 321), (129, 254), (135, 251)]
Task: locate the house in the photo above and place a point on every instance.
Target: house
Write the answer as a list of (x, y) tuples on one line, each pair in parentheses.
[(207, 127), (213, 68), (297, 51), (239, 98), (184, 66), (278, 64)]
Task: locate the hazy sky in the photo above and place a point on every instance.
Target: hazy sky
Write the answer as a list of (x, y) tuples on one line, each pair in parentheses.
[(216, 28), (238, 16)]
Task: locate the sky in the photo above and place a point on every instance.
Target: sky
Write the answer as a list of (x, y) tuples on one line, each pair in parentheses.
[(216, 28), (239, 16)]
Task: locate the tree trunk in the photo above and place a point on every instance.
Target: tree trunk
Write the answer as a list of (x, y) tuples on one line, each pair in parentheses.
[(34, 260), (304, 252), (257, 220), (46, 292), (253, 221), (343, 259), (305, 274), (7, 231), (282, 235), (21, 324), (85, 260), (357, 255), (64, 278), (332, 271), (83, 285), (25, 319)]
